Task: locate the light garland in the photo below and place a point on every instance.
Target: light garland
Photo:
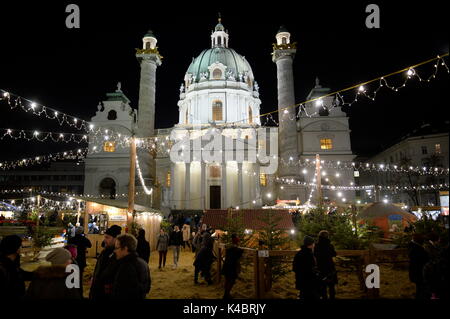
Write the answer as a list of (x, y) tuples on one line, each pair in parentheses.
[(146, 190), (367, 166), (57, 194), (72, 154)]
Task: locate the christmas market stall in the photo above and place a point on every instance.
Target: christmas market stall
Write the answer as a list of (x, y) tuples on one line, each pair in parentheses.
[(389, 218), (103, 213)]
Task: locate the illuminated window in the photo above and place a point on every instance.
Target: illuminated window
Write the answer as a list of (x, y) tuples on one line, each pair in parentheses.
[(217, 74), (217, 111), (168, 179), (437, 148), (263, 179), (214, 171), (326, 144), (109, 147)]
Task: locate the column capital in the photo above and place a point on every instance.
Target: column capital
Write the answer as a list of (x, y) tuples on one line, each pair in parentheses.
[(149, 57), (283, 54)]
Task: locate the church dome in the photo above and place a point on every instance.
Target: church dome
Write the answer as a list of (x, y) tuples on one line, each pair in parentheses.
[(233, 61)]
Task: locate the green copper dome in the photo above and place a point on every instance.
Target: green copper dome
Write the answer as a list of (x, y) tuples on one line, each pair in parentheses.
[(228, 57)]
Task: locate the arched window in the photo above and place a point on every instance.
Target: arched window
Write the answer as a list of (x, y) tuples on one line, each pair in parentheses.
[(217, 74), (107, 187), (168, 179), (262, 179), (112, 115), (217, 111), (283, 40), (219, 41), (250, 115), (147, 45)]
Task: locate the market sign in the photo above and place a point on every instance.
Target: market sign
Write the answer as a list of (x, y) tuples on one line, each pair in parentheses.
[(117, 218), (395, 217)]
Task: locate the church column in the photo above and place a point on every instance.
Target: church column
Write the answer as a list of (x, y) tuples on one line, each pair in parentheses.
[(257, 185), (224, 185), (187, 186), (172, 185), (240, 188), (203, 184)]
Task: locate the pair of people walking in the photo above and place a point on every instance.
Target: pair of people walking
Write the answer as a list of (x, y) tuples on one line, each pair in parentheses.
[(315, 272)]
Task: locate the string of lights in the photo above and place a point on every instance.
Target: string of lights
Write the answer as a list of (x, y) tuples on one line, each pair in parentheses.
[(56, 194), (77, 154), (367, 166), (141, 179)]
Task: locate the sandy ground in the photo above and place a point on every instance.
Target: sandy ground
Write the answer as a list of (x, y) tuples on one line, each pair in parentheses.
[(178, 283)]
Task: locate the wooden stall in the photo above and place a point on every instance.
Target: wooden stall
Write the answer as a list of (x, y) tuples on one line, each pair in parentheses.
[(107, 212)]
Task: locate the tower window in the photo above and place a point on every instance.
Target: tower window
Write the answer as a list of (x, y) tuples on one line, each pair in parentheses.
[(217, 74), (263, 179), (250, 115), (424, 150), (147, 45), (186, 119), (326, 144), (217, 111), (214, 171), (283, 40), (219, 41), (112, 115), (437, 148), (109, 146), (168, 179)]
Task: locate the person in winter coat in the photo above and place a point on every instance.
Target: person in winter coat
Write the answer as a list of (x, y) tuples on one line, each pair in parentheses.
[(49, 282), (186, 236), (82, 243), (103, 276), (162, 246), (324, 252), (176, 240), (436, 270), (143, 246), (418, 257), (231, 266), (132, 277), (203, 263), (304, 266), (12, 277)]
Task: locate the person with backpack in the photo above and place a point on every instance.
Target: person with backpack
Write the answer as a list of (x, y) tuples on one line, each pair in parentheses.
[(324, 252), (132, 278)]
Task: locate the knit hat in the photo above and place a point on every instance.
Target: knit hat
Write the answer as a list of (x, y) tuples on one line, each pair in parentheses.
[(10, 244), (58, 256), (307, 240), (114, 231)]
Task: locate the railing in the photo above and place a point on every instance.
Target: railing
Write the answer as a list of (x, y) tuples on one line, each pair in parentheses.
[(262, 276)]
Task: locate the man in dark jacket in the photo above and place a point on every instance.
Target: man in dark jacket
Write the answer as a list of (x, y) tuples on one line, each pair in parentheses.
[(82, 244), (104, 271), (304, 266), (176, 240), (418, 257), (12, 277), (143, 246), (231, 266), (132, 278), (324, 252)]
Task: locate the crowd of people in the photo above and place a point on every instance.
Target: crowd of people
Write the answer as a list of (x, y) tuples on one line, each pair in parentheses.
[(122, 268)]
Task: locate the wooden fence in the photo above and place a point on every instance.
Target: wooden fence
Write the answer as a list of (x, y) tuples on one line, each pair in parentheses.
[(262, 276)]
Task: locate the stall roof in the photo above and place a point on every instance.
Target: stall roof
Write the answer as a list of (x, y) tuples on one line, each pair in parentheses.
[(117, 203), (217, 218)]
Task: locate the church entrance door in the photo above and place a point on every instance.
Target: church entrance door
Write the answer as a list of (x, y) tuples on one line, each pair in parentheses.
[(214, 197)]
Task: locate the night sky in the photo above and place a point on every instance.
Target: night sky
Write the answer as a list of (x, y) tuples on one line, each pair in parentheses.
[(72, 69)]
